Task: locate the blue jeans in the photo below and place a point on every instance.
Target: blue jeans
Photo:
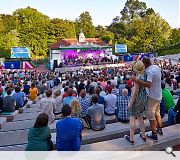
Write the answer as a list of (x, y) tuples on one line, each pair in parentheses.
[(171, 116)]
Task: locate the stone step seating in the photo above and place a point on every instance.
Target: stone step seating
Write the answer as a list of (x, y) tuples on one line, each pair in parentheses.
[(3, 121), (20, 124), (171, 137), (112, 131), (10, 116), (109, 119), (17, 125), (26, 116)]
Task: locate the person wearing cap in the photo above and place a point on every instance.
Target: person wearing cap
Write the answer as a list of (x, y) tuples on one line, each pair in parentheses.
[(137, 104), (110, 102), (153, 84)]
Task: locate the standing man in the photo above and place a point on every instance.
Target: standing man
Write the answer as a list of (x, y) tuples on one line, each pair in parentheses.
[(153, 83)]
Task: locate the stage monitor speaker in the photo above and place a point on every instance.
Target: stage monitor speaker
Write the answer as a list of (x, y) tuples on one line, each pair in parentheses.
[(55, 64), (60, 65)]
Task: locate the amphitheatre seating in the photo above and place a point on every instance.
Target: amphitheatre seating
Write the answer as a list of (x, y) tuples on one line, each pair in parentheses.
[(3, 120), (17, 125), (109, 119), (20, 139), (9, 115), (26, 116), (171, 137), (22, 124), (31, 110), (111, 131)]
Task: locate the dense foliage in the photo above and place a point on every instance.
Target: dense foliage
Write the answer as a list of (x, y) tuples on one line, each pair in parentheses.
[(139, 27)]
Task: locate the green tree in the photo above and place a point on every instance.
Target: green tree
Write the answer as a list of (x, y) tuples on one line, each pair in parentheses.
[(133, 9), (33, 27), (104, 34), (60, 28), (140, 28), (9, 22), (175, 37), (9, 40), (84, 22)]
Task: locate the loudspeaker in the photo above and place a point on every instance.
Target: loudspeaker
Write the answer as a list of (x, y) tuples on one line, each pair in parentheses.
[(60, 65), (55, 64)]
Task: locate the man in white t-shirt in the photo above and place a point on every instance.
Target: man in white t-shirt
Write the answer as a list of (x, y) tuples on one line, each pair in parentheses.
[(153, 83)]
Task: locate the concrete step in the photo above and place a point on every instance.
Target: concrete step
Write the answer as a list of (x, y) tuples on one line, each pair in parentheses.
[(3, 121), (26, 116), (171, 137), (111, 131), (25, 123), (18, 125), (11, 116)]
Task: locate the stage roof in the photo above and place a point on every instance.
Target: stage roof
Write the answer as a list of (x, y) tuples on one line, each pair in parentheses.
[(91, 43)]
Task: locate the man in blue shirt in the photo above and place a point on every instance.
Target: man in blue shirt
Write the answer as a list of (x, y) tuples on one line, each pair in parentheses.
[(19, 97), (68, 131), (67, 100)]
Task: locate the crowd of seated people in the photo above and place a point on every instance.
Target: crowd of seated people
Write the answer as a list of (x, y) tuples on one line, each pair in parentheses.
[(84, 99)]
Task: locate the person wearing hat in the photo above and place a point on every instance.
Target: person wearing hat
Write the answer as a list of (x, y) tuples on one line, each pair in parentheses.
[(110, 102), (137, 104)]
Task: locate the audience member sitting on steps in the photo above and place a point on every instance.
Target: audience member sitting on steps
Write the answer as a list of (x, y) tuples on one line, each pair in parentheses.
[(68, 131), (33, 92), (26, 88), (58, 101), (84, 102), (39, 136), (67, 100), (100, 98), (9, 102), (47, 106), (75, 108), (95, 115), (122, 106), (167, 98), (174, 114), (110, 101), (19, 97)]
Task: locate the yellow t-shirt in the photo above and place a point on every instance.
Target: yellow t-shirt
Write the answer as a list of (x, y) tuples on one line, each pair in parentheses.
[(33, 93)]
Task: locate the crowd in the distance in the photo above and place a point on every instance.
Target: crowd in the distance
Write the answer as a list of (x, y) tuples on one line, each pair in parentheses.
[(141, 90)]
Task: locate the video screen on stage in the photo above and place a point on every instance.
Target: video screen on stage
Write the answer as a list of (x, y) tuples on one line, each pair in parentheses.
[(120, 49), (20, 52)]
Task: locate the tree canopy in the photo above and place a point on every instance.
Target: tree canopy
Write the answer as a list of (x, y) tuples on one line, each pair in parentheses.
[(138, 26)]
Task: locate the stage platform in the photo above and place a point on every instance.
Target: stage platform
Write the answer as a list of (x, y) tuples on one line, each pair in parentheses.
[(72, 69)]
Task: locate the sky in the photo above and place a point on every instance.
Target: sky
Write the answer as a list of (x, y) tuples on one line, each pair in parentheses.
[(101, 11)]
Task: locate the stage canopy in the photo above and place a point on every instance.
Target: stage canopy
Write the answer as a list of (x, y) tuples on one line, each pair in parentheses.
[(86, 46)]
